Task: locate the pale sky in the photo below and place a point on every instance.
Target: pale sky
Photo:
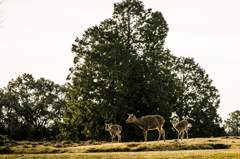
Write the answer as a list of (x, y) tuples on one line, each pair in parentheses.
[(36, 38)]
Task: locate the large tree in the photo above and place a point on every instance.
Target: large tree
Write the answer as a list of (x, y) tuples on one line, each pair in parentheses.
[(120, 67), (232, 124), (32, 108), (198, 99)]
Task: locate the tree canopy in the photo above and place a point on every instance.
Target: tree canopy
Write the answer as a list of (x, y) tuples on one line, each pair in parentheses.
[(198, 100), (232, 124), (31, 109), (121, 66)]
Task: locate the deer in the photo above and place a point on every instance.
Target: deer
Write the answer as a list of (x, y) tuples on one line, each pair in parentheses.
[(180, 127), (149, 122), (114, 130)]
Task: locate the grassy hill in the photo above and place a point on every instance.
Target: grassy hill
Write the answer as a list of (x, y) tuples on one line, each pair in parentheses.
[(222, 146)]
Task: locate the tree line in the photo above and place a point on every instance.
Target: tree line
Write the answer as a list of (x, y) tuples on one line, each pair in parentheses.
[(120, 66), (31, 109)]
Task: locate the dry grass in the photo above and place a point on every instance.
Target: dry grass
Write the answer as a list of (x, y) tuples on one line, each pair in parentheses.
[(192, 148), (193, 154)]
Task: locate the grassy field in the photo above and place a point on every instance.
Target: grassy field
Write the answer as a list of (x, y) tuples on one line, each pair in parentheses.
[(193, 148)]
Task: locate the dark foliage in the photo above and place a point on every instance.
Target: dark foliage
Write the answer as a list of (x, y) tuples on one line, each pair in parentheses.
[(232, 124), (30, 109), (121, 67)]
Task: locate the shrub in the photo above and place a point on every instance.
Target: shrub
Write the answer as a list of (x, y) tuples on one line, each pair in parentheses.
[(3, 137)]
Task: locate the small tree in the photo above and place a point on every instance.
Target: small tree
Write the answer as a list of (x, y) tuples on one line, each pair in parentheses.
[(198, 100), (232, 124)]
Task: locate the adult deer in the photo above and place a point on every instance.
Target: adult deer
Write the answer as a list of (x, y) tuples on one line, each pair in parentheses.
[(180, 127), (149, 122), (114, 130)]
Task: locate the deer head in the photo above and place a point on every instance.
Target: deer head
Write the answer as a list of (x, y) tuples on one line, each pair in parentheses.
[(108, 126), (174, 122), (131, 118)]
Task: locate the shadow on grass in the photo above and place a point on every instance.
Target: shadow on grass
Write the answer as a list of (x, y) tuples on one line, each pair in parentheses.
[(173, 147), (41, 147)]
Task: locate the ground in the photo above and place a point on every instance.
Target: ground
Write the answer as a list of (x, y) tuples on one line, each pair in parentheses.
[(221, 147)]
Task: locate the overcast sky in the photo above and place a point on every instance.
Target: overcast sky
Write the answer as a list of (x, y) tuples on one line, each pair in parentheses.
[(36, 38)]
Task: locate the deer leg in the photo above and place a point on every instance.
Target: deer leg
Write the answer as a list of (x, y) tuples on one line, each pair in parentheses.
[(182, 134), (178, 134), (111, 136), (145, 131), (164, 135), (119, 138), (163, 132), (187, 133), (159, 136), (114, 137)]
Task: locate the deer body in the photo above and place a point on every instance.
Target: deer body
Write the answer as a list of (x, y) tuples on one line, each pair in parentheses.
[(149, 122), (181, 127), (114, 130)]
